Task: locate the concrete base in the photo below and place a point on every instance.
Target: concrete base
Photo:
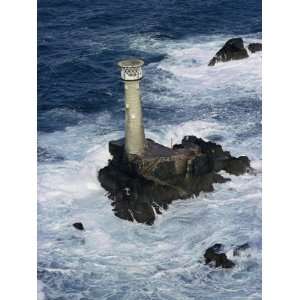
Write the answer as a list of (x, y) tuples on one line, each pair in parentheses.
[(141, 187)]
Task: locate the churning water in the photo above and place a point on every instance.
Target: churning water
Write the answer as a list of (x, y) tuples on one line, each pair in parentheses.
[(80, 109)]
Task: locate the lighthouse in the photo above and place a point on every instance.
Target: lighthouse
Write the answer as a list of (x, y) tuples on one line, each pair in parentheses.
[(143, 177), (131, 74)]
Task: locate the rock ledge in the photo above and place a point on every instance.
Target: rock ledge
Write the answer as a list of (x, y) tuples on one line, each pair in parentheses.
[(232, 50), (141, 187)]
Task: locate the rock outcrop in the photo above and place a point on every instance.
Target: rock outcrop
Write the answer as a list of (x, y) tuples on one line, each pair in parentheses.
[(78, 225), (238, 250), (142, 187), (216, 257), (232, 50), (255, 47)]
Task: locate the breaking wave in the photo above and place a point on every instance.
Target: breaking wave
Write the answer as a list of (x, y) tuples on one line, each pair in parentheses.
[(116, 259)]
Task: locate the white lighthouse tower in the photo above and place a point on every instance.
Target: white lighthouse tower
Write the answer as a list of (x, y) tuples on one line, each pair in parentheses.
[(131, 73)]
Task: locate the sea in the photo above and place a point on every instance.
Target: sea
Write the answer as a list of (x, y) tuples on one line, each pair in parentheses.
[(81, 108)]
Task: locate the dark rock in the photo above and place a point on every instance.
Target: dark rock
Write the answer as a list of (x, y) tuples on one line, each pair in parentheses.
[(237, 166), (78, 225), (141, 187), (215, 255), (216, 248), (255, 47), (239, 249), (232, 50), (157, 208)]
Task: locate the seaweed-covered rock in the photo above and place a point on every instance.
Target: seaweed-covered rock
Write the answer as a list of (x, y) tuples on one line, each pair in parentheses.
[(142, 187), (255, 47), (232, 50)]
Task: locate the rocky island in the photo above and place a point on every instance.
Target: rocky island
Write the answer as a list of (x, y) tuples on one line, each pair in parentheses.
[(234, 49), (144, 177), (142, 186)]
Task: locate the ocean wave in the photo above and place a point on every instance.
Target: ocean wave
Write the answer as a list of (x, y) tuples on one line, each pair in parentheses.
[(115, 259)]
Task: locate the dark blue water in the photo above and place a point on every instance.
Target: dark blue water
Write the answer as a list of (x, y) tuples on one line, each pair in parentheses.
[(79, 43), (81, 108)]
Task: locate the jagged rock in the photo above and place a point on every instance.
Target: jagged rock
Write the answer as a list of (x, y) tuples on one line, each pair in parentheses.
[(78, 225), (141, 187), (255, 47), (239, 249), (232, 50), (215, 255), (237, 166)]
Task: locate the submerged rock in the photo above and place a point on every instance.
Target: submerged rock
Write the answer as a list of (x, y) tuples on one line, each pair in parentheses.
[(241, 248), (255, 47), (141, 187), (215, 256), (78, 225), (232, 50)]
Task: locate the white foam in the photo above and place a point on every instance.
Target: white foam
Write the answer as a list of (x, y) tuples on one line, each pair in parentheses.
[(188, 61), (174, 133), (40, 293), (113, 257)]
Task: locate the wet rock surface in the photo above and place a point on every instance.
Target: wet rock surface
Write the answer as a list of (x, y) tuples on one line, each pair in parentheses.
[(78, 226), (216, 257), (142, 187), (255, 47), (233, 49)]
